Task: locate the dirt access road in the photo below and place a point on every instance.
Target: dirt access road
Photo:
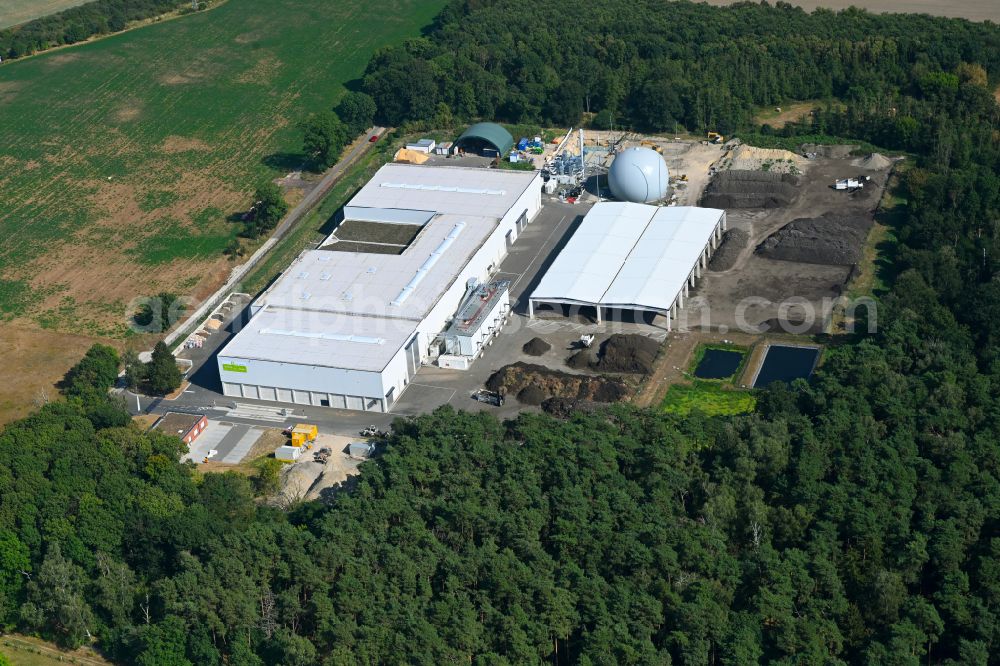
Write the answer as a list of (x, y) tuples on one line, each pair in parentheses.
[(974, 10)]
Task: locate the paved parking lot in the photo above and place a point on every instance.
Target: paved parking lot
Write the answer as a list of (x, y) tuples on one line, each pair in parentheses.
[(223, 441)]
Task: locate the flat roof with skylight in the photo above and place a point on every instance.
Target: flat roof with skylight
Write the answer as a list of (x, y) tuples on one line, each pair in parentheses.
[(355, 309)]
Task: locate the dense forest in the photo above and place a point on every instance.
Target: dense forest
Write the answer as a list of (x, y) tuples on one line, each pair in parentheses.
[(853, 520), (100, 17)]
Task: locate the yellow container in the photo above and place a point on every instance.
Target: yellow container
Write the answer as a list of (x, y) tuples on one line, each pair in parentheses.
[(303, 433)]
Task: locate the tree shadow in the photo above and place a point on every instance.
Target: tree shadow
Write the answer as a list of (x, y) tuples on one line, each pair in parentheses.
[(887, 251), (355, 85), (284, 161)]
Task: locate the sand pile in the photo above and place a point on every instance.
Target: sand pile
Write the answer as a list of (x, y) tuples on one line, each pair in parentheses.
[(831, 239), (547, 383), (773, 160), (750, 189), (874, 162), (536, 347), (733, 242)]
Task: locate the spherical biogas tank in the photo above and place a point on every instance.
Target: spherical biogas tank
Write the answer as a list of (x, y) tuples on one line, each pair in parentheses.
[(638, 175)]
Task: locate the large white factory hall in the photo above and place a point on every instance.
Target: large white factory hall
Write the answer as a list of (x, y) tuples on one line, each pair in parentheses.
[(348, 324), (631, 256)]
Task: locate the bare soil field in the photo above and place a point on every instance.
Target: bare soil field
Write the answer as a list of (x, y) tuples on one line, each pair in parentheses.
[(789, 113), (33, 361), (974, 10)]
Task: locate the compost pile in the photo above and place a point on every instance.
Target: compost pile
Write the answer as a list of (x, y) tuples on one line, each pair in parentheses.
[(832, 239), (563, 407), (733, 242), (582, 360), (634, 354), (545, 383), (750, 189), (620, 353), (536, 347)]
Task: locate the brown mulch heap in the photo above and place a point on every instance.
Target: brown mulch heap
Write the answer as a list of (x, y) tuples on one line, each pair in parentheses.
[(531, 395), (830, 239), (733, 242), (750, 189), (633, 354), (516, 377), (582, 360), (536, 347)]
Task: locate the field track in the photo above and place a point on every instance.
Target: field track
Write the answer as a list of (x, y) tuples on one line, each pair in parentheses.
[(974, 10), (122, 159)]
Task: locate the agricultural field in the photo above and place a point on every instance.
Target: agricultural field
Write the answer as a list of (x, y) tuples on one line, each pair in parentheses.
[(122, 160), (974, 10), (15, 12)]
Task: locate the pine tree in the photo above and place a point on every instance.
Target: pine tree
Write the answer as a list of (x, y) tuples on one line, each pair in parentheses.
[(162, 375)]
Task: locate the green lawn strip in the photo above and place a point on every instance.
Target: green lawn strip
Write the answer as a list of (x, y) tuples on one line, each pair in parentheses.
[(711, 398)]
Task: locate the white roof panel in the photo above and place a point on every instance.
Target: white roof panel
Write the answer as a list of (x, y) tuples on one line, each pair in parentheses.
[(326, 339), (444, 189), (355, 310), (629, 255)]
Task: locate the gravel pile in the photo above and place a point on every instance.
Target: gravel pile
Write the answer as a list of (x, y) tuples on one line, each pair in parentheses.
[(874, 162), (733, 242), (832, 239), (750, 189)]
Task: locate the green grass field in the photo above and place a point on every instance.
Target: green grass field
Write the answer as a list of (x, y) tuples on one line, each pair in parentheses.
[(121, 159), (712, 398), (15, 12)]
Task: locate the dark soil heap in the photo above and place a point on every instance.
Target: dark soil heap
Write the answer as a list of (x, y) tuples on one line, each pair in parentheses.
[(545, 383), (633, 354), (750, 189), (831, 239), (582, 360), (733, 242), (536, 347), (531, 395)]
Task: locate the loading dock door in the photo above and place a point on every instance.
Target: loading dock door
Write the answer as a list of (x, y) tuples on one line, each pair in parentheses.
[(412, 357), (509, 238)]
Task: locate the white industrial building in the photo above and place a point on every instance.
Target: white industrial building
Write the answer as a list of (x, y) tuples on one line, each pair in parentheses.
[(349, 329), (630, 256)]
